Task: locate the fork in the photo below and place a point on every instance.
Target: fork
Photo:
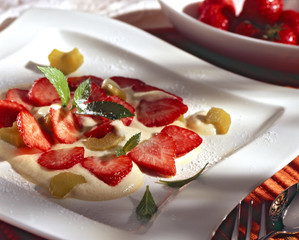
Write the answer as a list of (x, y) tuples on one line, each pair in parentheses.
[(262, 231)]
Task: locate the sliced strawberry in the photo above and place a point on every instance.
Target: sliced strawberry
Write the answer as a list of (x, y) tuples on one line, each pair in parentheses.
[(61, 158), (126, 121), (74, 82), (43, 93), (138, 85), (185, 140), (64, 124), (156, 154), (96, 93), (111, 171), (9, 111), (128, 82), (32, 133), (20, 96), (160, 112), (101, 129)]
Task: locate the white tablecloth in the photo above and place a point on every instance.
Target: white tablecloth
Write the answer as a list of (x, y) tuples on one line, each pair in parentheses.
[(141, 13)]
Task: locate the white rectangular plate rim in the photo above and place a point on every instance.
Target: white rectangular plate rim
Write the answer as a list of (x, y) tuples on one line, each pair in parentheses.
[(209, 181)]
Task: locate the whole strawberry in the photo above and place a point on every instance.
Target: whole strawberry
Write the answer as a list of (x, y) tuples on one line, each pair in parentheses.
[(214, 15), (262, 12), (228, 5), (280, 33), (246, 28), (291, 18)]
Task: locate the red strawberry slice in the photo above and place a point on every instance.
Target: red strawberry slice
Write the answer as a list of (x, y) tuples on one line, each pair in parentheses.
[(101, 129), (138, 86), (126, 121), (156, 154), (61, 158), (74, 82), (127, 82), (64, 124), (185, 140), (43, 93), (96, 93), (20, 96), (111, 171), (9, 111), (32, 133), (160, 112)]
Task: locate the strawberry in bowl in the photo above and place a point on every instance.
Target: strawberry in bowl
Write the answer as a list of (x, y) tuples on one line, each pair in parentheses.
[(260, 19)]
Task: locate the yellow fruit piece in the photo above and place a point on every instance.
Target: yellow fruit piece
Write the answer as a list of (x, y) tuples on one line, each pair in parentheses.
[(63, 183), (111, 140), (12, 135), (181, 118), (220, 119), (112, 88), (67, 62)]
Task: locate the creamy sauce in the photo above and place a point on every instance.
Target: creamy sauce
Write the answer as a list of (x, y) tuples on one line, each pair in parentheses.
[(24, 161), (197, 123)]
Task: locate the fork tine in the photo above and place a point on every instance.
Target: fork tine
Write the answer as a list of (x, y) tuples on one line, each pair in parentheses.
[(262, 231), (249, 221), (235, 233)]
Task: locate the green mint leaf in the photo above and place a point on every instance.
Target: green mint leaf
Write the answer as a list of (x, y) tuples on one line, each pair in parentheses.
[(81, 94), (119, 152), (59, 81), (107, 109), (181, 183), (147, 206), (130, 144)]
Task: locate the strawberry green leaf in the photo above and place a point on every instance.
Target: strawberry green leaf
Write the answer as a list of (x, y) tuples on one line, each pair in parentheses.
[(181, 183), (59, 81), (81, 94), (107, 109), (130, 144), (147, 206)]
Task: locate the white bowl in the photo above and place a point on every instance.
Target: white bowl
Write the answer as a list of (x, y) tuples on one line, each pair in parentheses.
[(264, 54)]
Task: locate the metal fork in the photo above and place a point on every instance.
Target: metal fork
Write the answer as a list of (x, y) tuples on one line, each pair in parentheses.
[(262, 231)]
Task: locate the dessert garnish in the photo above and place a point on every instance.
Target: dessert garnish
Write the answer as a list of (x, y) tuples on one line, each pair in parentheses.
[(147, 206)]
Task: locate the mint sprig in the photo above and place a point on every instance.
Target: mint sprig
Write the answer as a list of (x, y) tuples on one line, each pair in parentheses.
[(130, 144), (107, 109), (181, 183), (147, 206), (81, 95), (59, 81)]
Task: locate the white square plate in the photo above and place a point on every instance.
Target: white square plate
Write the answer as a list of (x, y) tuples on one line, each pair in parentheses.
[(264, 118)]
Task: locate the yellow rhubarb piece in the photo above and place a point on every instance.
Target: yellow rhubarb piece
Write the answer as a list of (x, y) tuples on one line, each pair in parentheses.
[(112, 88), (12, 135), (67, 62), (62, 183), (220, 119), (111, 140)]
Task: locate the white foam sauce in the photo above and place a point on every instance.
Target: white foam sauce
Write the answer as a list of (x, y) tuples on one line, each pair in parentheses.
[(25, 161)]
